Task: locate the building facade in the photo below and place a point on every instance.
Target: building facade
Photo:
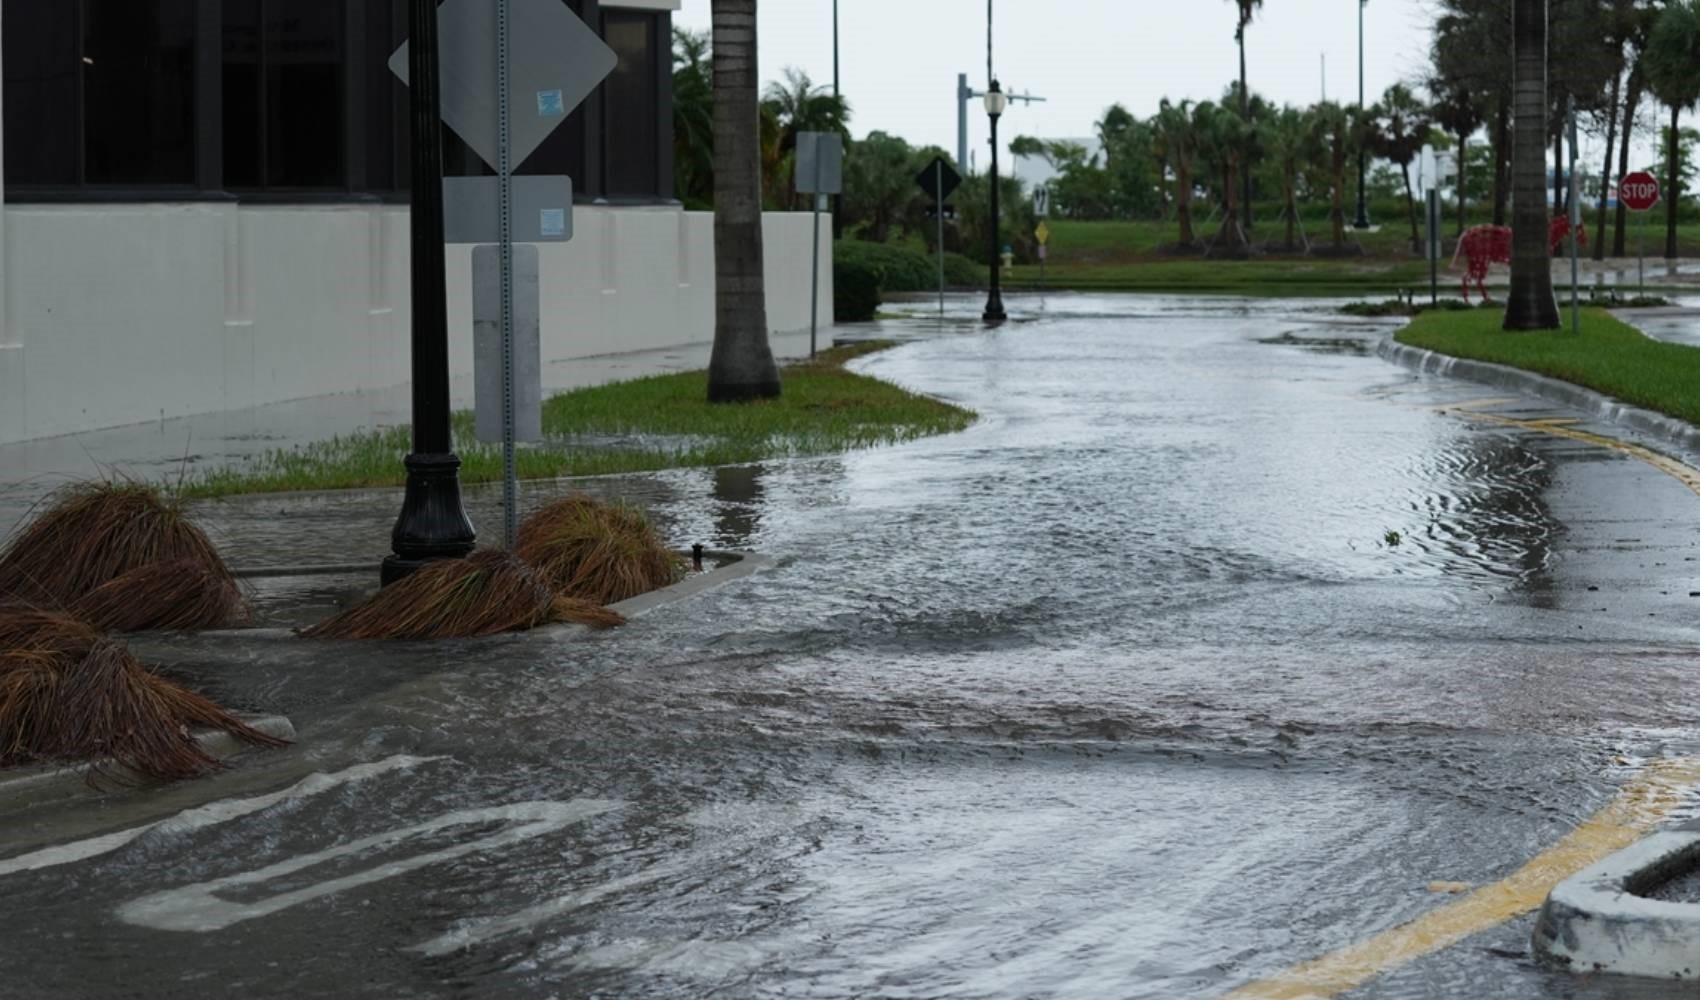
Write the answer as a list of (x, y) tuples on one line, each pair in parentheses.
[(206, 209)]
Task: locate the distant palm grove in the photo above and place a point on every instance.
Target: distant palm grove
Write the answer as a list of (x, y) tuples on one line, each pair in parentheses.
[(1240, 175)]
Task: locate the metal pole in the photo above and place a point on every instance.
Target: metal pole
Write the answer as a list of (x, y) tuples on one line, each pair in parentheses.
[(1362, 221), (1575, 227), (835, 48), (432, 523), (1433, 247), (962, 122), (814, 268), (938, 185), (504, 182), (994, 301), (1641, 255)]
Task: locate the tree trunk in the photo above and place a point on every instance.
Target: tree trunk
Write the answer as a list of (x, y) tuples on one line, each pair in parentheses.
[(1463, 176), (740, 366), (1411, 208), (1530, 305), (1605, 169), (1629, 107), (1558, 185), (1291, 203), (1673, 184), (1337, 212), (1501, 147), (1183, 204), (1245, 116)]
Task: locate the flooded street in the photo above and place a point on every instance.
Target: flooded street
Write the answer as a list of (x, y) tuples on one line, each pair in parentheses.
[(1212, 645)]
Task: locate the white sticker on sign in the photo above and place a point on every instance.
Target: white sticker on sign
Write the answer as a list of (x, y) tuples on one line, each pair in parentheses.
[(552, 221)]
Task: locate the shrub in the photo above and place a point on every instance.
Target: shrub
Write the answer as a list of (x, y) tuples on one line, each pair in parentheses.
[(855, 290)]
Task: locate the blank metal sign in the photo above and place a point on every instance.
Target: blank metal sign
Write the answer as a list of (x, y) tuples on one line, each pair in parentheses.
[(542, 209), (820, 163)]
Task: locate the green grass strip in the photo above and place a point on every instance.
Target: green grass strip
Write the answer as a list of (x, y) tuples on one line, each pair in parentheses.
[(1609, 356), (660, 422)]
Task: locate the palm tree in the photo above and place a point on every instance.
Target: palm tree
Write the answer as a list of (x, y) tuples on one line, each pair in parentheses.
[(740, 367), (1247, 9), (1530, 305), (693, 119), (1286, 140), (1673, 75), (1332, 131), (1177, 144), (1399, 128), (1222, 141), (1455, 109)]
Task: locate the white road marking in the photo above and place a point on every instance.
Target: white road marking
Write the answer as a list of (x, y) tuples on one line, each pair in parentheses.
[(743, 825), (198, 907), (204, 816)]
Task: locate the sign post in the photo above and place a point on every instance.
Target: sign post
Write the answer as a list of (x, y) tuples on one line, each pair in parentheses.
[(1575, 213), (537, 58), (939, 180), (1433, 246), (1042, 209), (820, 172), (1639, 192)]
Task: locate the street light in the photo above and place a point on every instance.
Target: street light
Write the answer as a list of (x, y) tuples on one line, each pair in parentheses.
[(1362, 221), (996, 102), (433, 523)]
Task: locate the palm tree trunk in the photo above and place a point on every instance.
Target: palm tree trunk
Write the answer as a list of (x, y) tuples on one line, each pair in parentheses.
[(1501, 146), (1605, 169), (1629, 107), (1183, 204), (1411, 208), (741, 365), (1291, 204), (1337, 211), (1558, 185), (1530, 305), (1673, 183), (1245, 116)]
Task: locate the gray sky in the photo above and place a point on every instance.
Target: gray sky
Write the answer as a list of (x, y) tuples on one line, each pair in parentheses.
[(900, 57)]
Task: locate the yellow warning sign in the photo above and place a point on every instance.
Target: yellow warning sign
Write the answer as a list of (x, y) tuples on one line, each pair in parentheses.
[(1043, 233)]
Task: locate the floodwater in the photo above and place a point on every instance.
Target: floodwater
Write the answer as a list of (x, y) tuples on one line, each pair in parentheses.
[(1205, 651)]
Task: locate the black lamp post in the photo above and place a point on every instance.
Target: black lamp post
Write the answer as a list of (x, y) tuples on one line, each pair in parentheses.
[(996, 102), (1362, 221), (432, 523)]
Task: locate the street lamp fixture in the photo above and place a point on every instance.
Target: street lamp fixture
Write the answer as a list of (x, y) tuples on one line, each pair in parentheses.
[(996, 103)]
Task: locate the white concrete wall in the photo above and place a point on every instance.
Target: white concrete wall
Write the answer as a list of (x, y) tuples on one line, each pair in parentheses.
[(118, 314)]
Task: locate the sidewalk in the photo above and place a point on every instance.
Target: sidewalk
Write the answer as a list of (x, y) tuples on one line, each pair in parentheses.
[(163, 450)]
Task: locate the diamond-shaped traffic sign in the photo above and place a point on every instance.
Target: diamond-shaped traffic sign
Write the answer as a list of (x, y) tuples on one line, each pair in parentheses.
[(1042, 233), (939, 179), (555, 61)]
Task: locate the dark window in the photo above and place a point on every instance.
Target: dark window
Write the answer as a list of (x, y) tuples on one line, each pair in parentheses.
[(100, 92), (631, 100), (284, 94)]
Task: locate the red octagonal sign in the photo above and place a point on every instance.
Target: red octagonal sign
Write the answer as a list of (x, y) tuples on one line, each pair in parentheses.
[(1638, 191)]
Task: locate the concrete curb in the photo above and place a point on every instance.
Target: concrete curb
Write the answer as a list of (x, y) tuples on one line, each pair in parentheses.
[(33, 785), (1669, 429), (1595, 922)]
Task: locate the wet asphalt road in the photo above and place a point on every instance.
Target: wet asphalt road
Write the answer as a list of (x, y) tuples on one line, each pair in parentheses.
[(1124, 692)]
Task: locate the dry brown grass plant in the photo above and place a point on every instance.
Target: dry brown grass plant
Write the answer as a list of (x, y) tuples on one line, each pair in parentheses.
[(94, 535), (600, 552), (487, 593), (70, 694)]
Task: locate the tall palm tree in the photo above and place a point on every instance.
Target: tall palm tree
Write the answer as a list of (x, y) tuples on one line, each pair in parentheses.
[(1222, 141), (1530, 305), (693, 119), (1400, 127), (1286, 141), (1333, 131), (1455, 109), (1177, 144), (740, 367), (1673, 74), (1247, 9)]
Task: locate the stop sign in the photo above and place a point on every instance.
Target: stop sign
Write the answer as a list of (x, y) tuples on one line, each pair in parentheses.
[(1638, 191)]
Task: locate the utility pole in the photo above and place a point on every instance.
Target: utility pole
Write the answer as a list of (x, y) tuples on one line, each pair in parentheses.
[(1362, 221)]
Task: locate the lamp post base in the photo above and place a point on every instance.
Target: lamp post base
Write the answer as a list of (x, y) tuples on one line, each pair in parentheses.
[(433, 524), (994, 309)]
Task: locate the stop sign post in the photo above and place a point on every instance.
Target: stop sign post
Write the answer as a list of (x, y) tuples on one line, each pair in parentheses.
[(1639, 192)]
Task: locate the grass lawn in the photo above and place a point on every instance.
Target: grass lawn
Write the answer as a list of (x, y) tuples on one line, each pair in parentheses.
[(659, 422), (1609, 356), (1122, 256)]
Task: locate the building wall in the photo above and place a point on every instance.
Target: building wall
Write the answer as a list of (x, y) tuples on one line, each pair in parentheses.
[(119, 314)]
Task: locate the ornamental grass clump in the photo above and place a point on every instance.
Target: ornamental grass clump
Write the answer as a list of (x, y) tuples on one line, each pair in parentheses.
[(487, 593), (152, 567), (600, 552), (70, 694)]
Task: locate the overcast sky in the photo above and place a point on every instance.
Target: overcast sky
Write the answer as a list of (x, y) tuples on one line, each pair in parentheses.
[(900, 58)]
